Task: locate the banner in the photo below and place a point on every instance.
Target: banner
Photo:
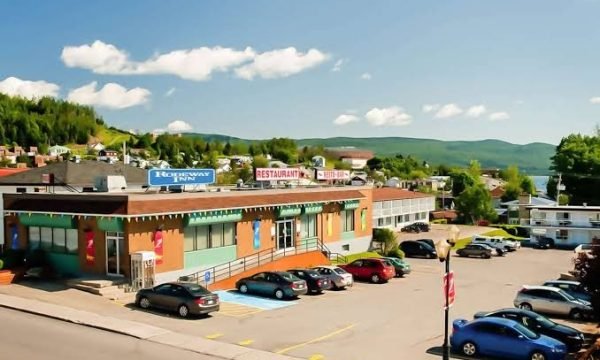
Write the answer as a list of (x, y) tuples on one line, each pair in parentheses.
[(158, 246), (333, 175), (363, 219), (329, 225), (276, 174), (256, 231), (90, 249), (449, 288), (14, 236)]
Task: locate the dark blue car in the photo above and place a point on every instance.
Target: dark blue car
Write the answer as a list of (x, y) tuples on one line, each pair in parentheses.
[(503, 338)]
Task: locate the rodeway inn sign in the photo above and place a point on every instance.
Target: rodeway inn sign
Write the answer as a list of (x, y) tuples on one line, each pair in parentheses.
[(159, 177)]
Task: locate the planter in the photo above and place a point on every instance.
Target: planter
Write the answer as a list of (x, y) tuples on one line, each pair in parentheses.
[(10, 276)]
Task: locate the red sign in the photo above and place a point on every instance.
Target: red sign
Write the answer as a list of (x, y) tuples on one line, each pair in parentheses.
[(276, 174), (333, 175), (90, 250), (450, 291), (158, 246)]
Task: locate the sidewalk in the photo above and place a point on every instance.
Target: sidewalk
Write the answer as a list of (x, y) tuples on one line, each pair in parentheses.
[(138, 330)]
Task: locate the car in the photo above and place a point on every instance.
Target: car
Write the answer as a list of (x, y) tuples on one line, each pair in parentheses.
[(542, 242), (550, 300), (584, 250), (183, 298), (280, 284), (475, 250), (509, 241), (494, 241), (417, 249), (495, 250), (400, 266), (412, 228), (508, 339), (424, 227), (573, 288), (429, 242), (316, 282), (376, 270), (339, 277), (540, 324)]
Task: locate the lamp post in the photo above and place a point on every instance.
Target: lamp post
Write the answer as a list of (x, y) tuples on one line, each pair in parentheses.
[(442, 248)]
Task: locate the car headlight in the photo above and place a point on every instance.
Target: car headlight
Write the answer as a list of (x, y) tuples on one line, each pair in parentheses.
[(557, 350)]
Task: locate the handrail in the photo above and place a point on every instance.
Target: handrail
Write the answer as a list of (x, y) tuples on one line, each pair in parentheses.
[(238, 266)]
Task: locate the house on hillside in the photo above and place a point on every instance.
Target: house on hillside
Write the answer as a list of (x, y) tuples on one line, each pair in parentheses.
[(57, 150), (357, 158), (95, 147), (110, 156)]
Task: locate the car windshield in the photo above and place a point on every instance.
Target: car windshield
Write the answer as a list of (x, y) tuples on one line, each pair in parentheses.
[(545, 322), (197, 289), (525, 331), (339, 270)]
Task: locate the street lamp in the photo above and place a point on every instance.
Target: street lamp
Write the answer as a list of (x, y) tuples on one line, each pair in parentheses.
[(442, 247)]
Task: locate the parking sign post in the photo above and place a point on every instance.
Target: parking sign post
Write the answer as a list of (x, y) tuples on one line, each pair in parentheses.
[(207, 278)]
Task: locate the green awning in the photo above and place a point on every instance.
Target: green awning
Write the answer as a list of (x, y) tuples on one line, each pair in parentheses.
[(110, 224), (350, 204), (213, 217), (312, 209), (287, 211), (43, 220)]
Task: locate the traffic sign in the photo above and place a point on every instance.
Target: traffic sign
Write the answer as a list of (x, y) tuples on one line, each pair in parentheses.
[(449, 278), (207, 277)]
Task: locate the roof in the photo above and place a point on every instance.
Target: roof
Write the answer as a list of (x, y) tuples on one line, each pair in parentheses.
[(444, 214), (388, 193), (565, 208), (497, 192), (352, 153), (535, 201), (83, 173), (11, 171)]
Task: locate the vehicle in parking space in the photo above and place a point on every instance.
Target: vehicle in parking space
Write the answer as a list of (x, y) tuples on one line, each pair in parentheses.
[(573, 288), (411, 228), (400, 266), (542, 242), (276, 283), (508, 339), (540, 324), (339, 277), (509, 241), (184, 298), (550, 300), (495, 250), (417, 249), (475, 250), (314, 281), (376, 270), (429, 242), (424, 227), (583, 249), (494, 241)]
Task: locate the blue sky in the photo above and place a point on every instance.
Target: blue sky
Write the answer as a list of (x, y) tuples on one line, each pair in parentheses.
[(521, 71)]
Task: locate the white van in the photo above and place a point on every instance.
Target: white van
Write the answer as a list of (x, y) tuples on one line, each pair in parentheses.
[(497, 242)]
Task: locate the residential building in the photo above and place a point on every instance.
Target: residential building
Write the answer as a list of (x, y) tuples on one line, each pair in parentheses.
[(95, 146), (58, 150), (569, 226), (357, 158), (395, 208), (519, 209)]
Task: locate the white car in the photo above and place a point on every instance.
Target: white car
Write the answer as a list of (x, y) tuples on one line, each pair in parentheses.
[(496, 242)]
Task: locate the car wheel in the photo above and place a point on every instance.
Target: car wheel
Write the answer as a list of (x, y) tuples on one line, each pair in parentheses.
[(538, 356), (183, 311), (144, 303), (469, 349), (576, 314), (244, 289), (526, 306), (375, 278), (487, 256), (334, 286), (279, 294)]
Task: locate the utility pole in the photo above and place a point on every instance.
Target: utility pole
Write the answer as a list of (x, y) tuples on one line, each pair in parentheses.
[(558, 187)]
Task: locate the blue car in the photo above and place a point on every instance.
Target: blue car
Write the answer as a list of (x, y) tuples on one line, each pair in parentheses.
[(503, 338)]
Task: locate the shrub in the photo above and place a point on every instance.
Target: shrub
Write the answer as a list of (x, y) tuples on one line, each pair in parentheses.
[(396, 252), (439, 221), (1, 264), (386, 238)]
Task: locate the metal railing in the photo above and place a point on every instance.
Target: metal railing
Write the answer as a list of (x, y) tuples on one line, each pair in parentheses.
[(238, 266)]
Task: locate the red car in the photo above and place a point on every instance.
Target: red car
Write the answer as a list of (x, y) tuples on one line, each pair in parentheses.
[(375, 270)]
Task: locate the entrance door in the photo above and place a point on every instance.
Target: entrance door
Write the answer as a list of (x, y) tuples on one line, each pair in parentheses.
[(285, 234), (114, 250)]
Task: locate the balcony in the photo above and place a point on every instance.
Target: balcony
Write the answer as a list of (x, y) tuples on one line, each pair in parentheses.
[(595, 222), (562, 224)]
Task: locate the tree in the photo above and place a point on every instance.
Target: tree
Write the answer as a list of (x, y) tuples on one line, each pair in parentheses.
[(474, 169), (227, 149), (386, 238), (551, 187), (588, 269), (260, 162), (461, 180), (341, 165), (475, 203), (375, 163)]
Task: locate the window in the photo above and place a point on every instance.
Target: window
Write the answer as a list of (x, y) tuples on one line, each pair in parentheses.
[(309, 226), (208, 236), (562, 216), (562, 234), (346, 247), (347, 217), (56, 240), (381, 222), (407, 218)]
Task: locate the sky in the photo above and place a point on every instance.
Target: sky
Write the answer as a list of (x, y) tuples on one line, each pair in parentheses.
[(517, 70)]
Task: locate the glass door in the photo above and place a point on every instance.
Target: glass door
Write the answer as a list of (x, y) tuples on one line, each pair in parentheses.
[(285, 234), (114, 250)]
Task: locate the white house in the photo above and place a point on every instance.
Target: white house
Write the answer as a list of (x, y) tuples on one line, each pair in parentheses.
[(395, 208), (58, 150), (569, 226)]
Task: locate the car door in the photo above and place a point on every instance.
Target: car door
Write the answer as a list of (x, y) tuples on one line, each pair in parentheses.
[(539, 300), (561, 304), (271, 283), (256, 283), (161, 295), (511, 343), (179, 295), (356, 268), (485, 338)]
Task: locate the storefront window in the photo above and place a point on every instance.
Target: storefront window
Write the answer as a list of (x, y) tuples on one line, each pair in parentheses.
[(209, 236), (59, 240), (229, 234), (56, 240), (309, 226), (72, 241), (202, 237), (347, 217), (46, 238), (189, 234), (34, 237)]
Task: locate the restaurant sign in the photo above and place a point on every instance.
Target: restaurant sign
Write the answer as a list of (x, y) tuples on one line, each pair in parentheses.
[(333, 175), (168, 177), (276, 174)]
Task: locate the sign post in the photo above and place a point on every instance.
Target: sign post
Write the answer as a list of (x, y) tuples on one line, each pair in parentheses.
[(207, 278)]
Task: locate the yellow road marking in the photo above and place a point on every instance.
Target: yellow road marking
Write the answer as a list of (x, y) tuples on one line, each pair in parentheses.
[(316, 357), (237, 310), (213, 336), (245, 342), (327, 336)]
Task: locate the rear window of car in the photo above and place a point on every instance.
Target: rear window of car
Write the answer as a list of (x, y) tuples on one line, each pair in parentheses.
[(288, 276), (197, 289), (339, 271)]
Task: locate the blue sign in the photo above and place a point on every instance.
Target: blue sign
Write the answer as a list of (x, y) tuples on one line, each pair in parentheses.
[(14, 244), (168, 177), (207, 277), (256, 229)]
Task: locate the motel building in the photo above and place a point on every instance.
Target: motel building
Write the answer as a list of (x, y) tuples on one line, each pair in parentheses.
[(568, 226), (225, 233), (394, 208)]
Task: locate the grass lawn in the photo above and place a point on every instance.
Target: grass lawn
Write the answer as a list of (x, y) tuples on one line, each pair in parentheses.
[(461, 243), (350, 258)]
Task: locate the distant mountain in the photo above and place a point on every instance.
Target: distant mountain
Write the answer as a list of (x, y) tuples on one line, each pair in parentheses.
[(532, 158)]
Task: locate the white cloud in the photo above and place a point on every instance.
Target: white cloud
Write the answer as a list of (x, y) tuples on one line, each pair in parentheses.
[(345, 119), (113, 96), (447, 111), (366, 76), (170, 92), (280, 63), (178, 126), (595, 100), (391, 116), (28, 89), (427, 108), (338, 65), (500, 115), (476, 111), (519, 102)]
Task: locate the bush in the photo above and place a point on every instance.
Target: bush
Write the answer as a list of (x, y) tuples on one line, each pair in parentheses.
[(1, 264), (439, 221), (396, 252), (386, 238)]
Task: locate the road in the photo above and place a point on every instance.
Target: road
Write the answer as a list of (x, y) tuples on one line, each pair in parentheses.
[(25, 336)]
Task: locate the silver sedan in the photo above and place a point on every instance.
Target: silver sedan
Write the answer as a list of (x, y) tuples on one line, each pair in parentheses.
[(339, 277)]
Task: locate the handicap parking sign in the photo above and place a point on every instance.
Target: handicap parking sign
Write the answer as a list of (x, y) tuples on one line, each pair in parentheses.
[(207, 276)]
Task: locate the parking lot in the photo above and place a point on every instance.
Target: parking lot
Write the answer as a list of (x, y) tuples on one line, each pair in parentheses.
[(400, 319)]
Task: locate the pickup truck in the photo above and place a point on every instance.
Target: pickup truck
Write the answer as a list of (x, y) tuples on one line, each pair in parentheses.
[(496, 242)]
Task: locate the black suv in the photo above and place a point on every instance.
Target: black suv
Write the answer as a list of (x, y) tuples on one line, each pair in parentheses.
[(417, 249)]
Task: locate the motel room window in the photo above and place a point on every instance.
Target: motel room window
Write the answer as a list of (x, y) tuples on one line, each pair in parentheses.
[(562, 216), (380, 222), (229, 234), (55, 240), (407, 218), (216, 236), (209, 236), (309, 226), (347, 220), (562, 234), (202, 237)]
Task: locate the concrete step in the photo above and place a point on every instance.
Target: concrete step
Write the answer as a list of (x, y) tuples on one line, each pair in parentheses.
[(110, 292), (99, 283)]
